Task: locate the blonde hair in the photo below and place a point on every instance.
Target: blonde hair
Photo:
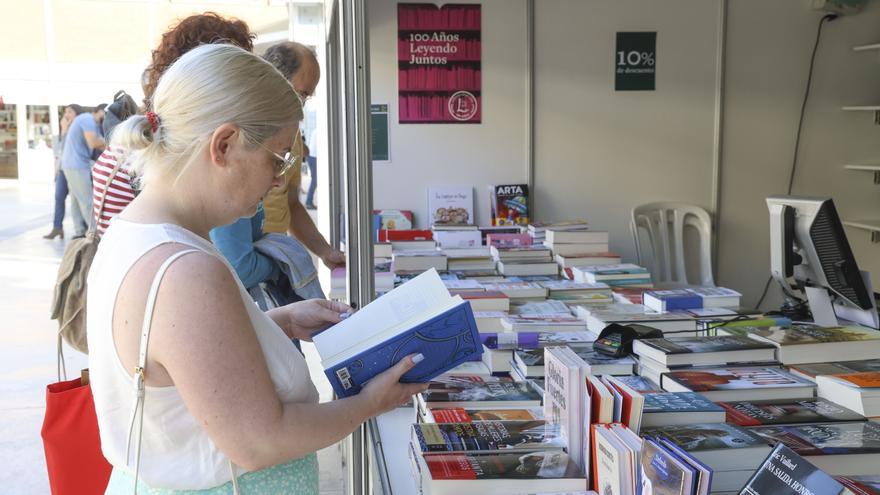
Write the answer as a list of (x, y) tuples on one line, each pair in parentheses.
[(208, 86)]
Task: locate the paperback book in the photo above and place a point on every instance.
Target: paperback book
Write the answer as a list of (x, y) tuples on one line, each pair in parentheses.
[(808, 343), (784, 471), (451, 205), (721, 446), (811, 370), (679, 408), (479, 395), (510, 204), (462, 415), (486, 436), (732, 383), (663, 473), (720, 350), (787, 411)]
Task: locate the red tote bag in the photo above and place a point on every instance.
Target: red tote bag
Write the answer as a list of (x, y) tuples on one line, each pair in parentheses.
[(71, 442)]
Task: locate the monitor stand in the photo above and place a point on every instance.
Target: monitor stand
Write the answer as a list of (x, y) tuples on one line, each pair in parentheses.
[(827, 313)]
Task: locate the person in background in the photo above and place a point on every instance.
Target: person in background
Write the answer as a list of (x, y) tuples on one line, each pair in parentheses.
[(84, 137), (284, 211), (313, 170), (228, 401), (189, 33), (70, 113)]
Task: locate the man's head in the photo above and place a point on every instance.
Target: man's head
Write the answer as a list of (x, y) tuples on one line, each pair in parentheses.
[(298, 64), (98, 112)]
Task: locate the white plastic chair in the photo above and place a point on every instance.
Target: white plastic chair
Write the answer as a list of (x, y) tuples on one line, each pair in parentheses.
[(665, 224)]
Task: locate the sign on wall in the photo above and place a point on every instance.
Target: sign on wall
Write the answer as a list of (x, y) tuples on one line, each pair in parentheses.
[(439, 59), (635, 61)]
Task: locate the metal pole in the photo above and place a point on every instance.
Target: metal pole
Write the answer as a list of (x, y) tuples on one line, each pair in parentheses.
[(358, 191), (530, 105), (720, 55)]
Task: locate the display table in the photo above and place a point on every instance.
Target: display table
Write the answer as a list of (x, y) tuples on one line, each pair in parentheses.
[(389, 439)]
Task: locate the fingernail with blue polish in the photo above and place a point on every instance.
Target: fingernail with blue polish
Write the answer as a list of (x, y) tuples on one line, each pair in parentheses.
[(418, 358)]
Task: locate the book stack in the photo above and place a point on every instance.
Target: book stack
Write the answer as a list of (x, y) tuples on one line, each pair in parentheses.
[(587, 259), (524, 261), (530, 362), (808, 343), (580, 242), (498, 348), (857, 391), (693, 298), (600, 316), (518, 291), (577, 293), (469, 260), (622, 275), (487, 300), (408, 240), (413, 261), (457, 236), (538, 230)]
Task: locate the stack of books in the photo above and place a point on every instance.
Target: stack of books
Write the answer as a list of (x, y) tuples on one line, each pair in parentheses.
[(587, 259), (577, 293), (693, 298), (538, 230), (622, 275), (469, 260), (457, 236), (600, 316), (524, 261), (414, 261), (570, 242)]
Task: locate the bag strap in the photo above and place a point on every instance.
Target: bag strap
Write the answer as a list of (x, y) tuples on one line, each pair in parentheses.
[(136, 421), (110, 179)]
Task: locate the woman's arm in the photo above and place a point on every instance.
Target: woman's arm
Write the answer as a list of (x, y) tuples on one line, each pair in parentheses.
[(203, 339)]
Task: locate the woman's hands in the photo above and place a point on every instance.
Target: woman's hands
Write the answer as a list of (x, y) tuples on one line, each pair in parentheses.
[(300, 320), (385, 392)]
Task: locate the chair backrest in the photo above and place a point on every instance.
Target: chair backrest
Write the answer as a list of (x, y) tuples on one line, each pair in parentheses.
[(664, 223)]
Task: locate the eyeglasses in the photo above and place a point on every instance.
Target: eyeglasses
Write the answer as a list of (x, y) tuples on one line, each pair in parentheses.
[(289, 159)]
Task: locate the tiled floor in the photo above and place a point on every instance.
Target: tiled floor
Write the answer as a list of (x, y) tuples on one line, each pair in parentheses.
[(28, 266)]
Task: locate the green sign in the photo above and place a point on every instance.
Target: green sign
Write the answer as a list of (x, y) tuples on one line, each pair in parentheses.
[(635, 61), (379, 129)]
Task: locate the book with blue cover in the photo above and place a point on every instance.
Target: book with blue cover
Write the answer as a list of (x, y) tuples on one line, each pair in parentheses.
[(672, 299), (676, 408), (417, 317)]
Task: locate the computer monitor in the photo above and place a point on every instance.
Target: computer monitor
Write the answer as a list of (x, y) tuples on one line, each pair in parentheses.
[(809, 249)]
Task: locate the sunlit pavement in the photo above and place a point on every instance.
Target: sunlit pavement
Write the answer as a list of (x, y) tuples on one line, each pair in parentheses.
[(28, 267)]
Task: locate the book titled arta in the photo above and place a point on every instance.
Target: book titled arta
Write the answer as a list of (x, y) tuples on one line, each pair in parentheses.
[(417, 317)]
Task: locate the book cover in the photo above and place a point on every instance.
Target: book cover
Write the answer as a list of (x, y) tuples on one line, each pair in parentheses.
[(670, 300), (486, 436), (837, 368), (707, 380), (868, 379), (784, 471), (561, 399), (825, 438), (394, 219), (800, 333), (445, 340), (462, 415), (451, 205), (662, 473), (508, 240), (707, 436), (609, 461), (510, 204), (787, 411), (861, 485), (518, 466), (512, 392), (678, 402), (694, 345), (405, 235), (640, 384)]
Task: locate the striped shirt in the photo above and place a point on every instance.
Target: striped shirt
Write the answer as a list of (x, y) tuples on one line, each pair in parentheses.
[(120, 193)]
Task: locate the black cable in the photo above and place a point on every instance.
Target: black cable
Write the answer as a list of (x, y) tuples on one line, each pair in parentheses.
[(797, 141)]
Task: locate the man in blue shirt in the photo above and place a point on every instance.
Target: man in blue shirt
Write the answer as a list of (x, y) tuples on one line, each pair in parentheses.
[(84, 138)]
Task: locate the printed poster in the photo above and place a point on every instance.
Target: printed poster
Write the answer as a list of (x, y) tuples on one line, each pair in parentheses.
[(439, 63)]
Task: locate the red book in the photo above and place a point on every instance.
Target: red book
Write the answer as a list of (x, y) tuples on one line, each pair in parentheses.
[(405, 235)]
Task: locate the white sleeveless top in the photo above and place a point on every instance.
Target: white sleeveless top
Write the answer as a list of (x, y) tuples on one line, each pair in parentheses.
[(176, 453)]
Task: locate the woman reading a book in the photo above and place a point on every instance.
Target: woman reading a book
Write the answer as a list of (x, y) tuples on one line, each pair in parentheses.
[(228, 403)]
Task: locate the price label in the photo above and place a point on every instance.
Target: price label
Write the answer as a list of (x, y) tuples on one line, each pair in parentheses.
[(635, 61)]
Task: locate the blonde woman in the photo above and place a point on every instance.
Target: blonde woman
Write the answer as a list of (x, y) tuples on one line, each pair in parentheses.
[(228, 397)]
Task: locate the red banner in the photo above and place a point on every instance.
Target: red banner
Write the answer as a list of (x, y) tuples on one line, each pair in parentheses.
[(438, 53)]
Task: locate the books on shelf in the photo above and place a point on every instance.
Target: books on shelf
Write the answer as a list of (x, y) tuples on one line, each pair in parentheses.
[(615, 457), (462, 415), (417, 317), (721, 446), (501, 473), (487, 395), (509, 204), (486, 437), (530, 362), (784, 471), (587, 259), (451, 205), (456, 239), (857, 391), (811, 370), (418, 261), (487, 300), (663, 472), (808, 343), (679, 408), (508, 268), (555, 235), (836, 448), (733, 383), (691, 298), (538, 323), (787, 411), (720, 350)]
